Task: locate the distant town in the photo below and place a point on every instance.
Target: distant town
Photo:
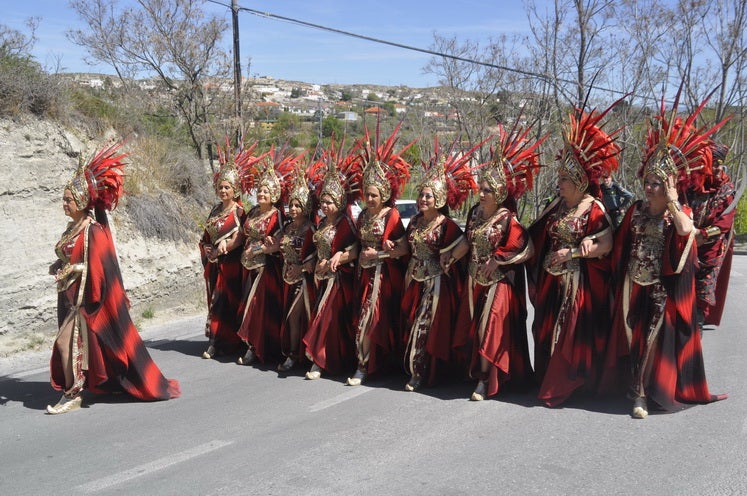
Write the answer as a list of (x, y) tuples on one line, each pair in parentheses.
[(265, 98)]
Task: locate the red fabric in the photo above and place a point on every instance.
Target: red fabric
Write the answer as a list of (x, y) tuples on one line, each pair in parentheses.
[(579, 352), (223, 285), (329, 338), (117, 357), (383, 330), (504, 344), (438, 344), (260, 324), (678, 373), (714, 256), (299, 292)]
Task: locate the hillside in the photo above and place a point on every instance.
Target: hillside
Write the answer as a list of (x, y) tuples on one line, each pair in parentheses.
[(163, 279)]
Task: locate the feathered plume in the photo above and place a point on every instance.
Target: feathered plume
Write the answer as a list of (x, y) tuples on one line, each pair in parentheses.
[(589, 153), (449, 174), (520, 159), (104, 176), (383, 167), (676, 146)]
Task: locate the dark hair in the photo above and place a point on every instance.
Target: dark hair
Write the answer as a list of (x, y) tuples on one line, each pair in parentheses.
[(719, 151)]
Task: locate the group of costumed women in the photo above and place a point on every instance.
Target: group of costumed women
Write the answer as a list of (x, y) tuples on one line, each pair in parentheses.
[(613, 309)]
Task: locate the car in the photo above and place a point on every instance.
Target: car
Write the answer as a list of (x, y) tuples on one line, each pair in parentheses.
[(355, 210), (407, 208)]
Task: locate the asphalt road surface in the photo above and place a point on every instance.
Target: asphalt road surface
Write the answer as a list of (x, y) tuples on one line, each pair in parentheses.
[(246, 430)]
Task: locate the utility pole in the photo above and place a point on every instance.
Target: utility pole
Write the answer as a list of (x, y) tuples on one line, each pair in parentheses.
[(236, 69)]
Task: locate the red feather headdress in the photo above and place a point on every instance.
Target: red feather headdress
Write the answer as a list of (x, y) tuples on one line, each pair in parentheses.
[(449, 174), (677, 147), (100, 183), (513, 164), (382, 167), (589, 153)]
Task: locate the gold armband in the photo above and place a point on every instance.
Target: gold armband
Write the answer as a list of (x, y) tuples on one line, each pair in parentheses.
[(383, 254), (257, 250), (712, 231), (575, 253), (674, 207)]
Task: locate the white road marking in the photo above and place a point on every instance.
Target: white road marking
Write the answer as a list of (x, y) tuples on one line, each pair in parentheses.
[(150, 467), (354, 391)]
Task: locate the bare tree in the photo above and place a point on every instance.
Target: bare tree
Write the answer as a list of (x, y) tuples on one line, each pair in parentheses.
[(15, 43), (172, 40)]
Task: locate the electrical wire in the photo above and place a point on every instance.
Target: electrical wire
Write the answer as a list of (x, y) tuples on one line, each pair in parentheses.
[(299, 22)]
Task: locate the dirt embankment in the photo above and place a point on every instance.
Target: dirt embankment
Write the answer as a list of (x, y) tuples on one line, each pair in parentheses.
[(163, 279)]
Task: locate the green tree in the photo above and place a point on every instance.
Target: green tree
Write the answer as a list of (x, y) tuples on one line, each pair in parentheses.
[(332, 126)]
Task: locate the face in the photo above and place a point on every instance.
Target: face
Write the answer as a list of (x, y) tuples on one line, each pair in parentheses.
[(654, 188), (68, 204), (373, 198), (327, 206), (426, 200), (294, 209), (566, 187), (225, 191), (263, 196), (607, 181), (487, 196), (718, 167)]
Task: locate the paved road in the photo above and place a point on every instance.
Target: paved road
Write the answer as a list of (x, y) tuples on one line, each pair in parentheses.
[(243, 430)]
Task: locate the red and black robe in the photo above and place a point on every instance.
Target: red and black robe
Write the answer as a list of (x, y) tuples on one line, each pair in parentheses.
[(654, 328), (571, 302), (496, 308), (107, 352), (329, 339)]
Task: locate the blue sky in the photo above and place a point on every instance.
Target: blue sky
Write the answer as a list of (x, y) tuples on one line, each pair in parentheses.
[(288, 51)]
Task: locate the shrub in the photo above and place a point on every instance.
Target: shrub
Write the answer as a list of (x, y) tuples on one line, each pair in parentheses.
[(25, 87), (740, 220)]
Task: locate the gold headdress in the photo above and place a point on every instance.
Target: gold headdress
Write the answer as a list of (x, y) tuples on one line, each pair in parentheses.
[(271, 169), (228, 170), (384, 169), (588, 152), (334, 173), (100, 183), (449, 175), (676, 147), (298, 188), (513, 164)]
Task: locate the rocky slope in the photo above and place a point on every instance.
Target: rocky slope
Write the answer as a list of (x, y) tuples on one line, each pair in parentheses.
[(38, 158)]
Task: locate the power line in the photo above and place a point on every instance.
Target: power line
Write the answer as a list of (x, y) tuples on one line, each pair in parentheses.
[(299, 22)]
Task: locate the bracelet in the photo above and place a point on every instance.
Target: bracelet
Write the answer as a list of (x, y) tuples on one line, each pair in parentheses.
[(575, 253), (383, 254), (257, 250), (712, 231), (674, 206)]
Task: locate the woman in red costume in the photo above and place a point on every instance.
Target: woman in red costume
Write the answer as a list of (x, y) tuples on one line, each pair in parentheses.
[(654, 261), (97, 347), (492, 318), (329, 340), (569, 271), (380, 275), (712, 203), (429, 303), (221, 260), (299, 256), (262, 280)]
